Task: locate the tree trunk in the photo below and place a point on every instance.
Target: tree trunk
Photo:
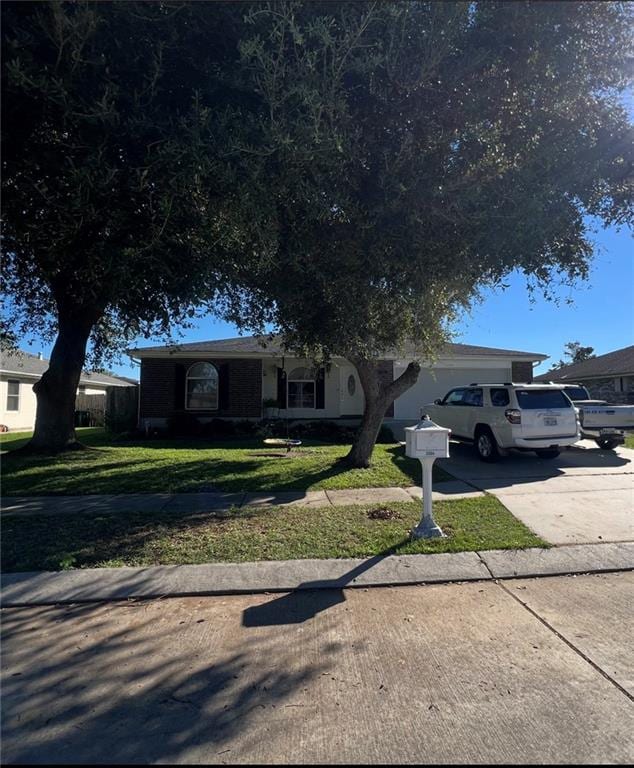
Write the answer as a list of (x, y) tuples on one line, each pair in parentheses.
[(378, 397), (56, 390)]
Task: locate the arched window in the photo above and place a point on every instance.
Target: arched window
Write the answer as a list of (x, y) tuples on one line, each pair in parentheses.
[(202, 387), (301, 388)]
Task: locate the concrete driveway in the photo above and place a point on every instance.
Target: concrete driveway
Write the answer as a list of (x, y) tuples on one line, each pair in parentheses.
[(584, 496)]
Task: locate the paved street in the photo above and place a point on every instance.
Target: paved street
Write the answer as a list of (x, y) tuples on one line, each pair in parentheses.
[(584, 496), (521, 671)]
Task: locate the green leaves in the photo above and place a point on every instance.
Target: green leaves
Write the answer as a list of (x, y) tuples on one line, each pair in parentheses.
[(352, 172)]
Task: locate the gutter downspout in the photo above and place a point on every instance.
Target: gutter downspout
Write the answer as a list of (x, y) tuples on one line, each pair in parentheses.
[(138, 405)]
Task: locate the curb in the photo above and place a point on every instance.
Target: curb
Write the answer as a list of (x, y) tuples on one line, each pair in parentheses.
[(107, 584)]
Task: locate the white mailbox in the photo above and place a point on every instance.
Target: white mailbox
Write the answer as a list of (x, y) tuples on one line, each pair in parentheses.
[(427, 440)]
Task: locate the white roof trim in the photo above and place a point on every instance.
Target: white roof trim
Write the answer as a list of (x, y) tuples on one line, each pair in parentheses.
[(82, 381), (210, 354)]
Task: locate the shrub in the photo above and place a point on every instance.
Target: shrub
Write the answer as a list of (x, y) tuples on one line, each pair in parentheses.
[(246, 427), (183, 425), (325, 431), (385, 435), (218, 429)]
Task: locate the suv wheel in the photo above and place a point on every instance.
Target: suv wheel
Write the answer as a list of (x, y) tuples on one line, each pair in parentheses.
[(548, 453), (486, 446), (608, 445)]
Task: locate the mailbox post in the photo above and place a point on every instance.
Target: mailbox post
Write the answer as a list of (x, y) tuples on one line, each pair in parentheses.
[(427, 442)]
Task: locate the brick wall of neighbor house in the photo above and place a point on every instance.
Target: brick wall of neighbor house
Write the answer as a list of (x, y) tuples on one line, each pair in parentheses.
[(158, 385), (522, 371), (606, 389), (386, 374)]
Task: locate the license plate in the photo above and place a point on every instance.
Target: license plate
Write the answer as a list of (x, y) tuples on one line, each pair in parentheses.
[(614, 432), (549, 422)]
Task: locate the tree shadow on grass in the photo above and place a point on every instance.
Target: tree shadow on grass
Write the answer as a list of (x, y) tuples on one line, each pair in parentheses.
[(37, 476), (57, 542), (85, 474), (411, 467)]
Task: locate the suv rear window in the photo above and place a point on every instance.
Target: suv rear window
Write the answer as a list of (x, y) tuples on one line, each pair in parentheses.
[(533, 399)]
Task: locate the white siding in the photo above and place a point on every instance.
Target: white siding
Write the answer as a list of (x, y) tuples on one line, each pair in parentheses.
[(350, 405), (24, 418), (433, 382), (269, 388)]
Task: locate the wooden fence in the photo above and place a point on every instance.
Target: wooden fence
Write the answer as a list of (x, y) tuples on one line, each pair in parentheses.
[(116, 409), (122, 408), (90, 410)]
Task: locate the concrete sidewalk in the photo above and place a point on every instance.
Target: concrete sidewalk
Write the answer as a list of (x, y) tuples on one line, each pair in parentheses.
[(217, 501), (97, 584)]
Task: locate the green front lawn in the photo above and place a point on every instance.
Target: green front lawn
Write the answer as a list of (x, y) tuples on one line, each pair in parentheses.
[(172, 466), (629, 440), (249, 533)]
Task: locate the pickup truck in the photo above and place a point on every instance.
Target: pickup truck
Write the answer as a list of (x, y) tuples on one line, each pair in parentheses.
[(599, 421)]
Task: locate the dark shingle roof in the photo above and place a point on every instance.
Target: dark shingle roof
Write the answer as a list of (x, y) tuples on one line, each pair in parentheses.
[(617, 363), (251, 345), (32, 365)]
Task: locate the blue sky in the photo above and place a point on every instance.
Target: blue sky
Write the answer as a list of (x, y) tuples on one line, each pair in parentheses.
[(601, 316)]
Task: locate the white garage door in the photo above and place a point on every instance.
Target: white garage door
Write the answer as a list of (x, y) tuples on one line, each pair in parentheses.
[(438, 381)]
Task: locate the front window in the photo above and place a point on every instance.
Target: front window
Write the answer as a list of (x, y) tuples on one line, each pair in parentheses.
[(535, 399), (301, 388), (202, 387), (13, 395), (472, 397)]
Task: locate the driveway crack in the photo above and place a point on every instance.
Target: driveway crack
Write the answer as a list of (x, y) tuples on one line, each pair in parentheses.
[(565, 640), (485, 564)]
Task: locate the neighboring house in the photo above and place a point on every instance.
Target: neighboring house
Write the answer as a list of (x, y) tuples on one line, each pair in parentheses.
[(18, 373), (607, 377), (231, 378)]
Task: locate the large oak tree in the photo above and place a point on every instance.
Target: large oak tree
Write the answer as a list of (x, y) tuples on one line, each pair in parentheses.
[(353, 173), (418, 152), (119, 200)]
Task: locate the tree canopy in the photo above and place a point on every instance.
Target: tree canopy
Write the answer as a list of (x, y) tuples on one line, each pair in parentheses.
[(119, 197), (575, 353), (353, 173), (416, 153), (116, 118)]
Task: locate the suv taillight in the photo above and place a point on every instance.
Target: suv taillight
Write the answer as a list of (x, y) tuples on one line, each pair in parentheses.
[(513, 415)]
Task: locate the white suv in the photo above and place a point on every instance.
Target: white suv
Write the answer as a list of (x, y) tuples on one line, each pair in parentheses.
[(496, 417)]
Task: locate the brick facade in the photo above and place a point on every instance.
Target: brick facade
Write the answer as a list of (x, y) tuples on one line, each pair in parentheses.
[(522, 371), (163, 393), (606, 389)]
